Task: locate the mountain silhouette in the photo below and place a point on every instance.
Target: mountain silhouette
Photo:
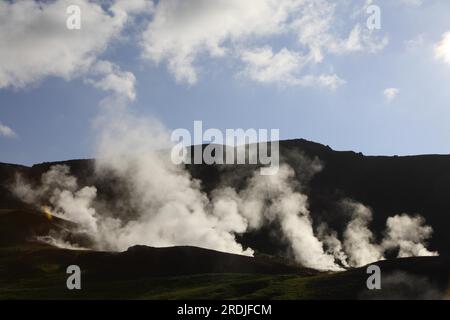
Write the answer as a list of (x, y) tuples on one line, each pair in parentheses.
[(388, 185)]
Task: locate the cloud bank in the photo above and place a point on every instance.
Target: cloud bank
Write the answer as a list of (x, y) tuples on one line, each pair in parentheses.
[(39, 45), (182, 31)]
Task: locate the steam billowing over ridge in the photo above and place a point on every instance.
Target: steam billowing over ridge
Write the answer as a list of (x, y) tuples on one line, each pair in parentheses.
[(162, 205)]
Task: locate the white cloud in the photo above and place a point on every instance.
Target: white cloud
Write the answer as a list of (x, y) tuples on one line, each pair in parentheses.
[(416, 42), (179, 32), (283, 68), (182, 31), (331, 81), (316, 27), (391, 93), (412, 2), (442, 48), (39, 44), (6, 131), (111, 78), (265, 66)]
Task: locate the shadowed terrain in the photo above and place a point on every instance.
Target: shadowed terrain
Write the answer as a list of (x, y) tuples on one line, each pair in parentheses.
[(389, 185)]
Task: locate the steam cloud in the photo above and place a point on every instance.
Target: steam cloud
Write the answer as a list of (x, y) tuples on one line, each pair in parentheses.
[(165, 206), (405, 233), (358, 239)]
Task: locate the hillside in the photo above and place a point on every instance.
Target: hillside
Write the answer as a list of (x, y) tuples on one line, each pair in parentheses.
[(389, 185), (34, 270)]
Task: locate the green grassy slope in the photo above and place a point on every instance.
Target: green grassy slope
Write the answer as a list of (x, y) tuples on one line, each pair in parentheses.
[(37, 271)]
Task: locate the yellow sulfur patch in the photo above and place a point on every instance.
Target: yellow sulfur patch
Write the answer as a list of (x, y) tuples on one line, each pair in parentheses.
[(47, 212)]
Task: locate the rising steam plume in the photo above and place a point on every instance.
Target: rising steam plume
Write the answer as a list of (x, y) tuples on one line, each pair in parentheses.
[(165, 206)]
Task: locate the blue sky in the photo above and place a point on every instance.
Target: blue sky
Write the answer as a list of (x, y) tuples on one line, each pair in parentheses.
[(231, 65)]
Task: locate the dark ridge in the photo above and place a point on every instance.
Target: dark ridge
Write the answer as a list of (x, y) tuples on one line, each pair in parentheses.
[(389, 185), (21, 226), (140, 261)]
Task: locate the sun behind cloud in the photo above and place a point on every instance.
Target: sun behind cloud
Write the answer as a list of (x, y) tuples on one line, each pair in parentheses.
[(442, 49)]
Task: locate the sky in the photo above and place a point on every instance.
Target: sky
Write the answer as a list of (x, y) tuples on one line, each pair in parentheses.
[(313, 69)]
